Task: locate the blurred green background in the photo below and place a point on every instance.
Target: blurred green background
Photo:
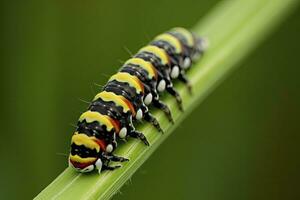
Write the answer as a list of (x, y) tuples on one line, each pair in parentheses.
[(241, 143)]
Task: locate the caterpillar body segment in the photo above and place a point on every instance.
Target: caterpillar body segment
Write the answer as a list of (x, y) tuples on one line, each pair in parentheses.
[(173, 48), (175, 51), (194, 46), (134, 98), (162, 63), (126, 96), (149, 77)]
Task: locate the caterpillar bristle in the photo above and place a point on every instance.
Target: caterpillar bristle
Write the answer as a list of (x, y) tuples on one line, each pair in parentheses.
[(128, 51)]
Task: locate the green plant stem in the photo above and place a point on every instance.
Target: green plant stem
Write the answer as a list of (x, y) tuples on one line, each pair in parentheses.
[(234, 28)]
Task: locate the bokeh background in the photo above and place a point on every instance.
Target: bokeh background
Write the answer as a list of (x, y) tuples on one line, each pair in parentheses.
[(242, 142)]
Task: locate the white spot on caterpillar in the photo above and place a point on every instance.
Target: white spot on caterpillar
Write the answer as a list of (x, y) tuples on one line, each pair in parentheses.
[(161, 86), (139, 114), (204, 43), (98, 165), (123, 132), (175, 72), (187, 63), (109, 148), (148, 99), (87, 169), (196, 56)]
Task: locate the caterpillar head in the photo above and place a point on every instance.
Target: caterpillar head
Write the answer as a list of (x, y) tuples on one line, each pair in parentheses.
[(84, 155)]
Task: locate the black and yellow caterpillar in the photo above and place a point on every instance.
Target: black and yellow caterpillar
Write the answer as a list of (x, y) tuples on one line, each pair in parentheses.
[(127, 95)]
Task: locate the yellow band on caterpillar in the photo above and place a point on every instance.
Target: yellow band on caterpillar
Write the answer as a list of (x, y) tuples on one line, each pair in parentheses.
[(189, 37), (77, 158), (143, 64), (158, 52), (83, 139), (110, 96), (127, 78), (171, 40), (90, 116)]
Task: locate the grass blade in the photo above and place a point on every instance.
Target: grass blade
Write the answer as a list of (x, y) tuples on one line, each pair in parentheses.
[(234, 28)]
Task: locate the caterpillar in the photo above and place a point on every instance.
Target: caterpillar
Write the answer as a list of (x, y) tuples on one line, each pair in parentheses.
[(126, 96)]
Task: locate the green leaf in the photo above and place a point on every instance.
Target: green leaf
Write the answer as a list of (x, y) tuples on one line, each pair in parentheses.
[(234, 28)]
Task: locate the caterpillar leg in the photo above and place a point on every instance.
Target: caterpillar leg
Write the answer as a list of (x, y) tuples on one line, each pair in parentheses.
[(168, 86), (147, 116), (160, 105), (170, 89), (152, 120), (115, 158), (182, 77), (129, 131), (113, 140), (165, 83), (139, 135), (110, 168)]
